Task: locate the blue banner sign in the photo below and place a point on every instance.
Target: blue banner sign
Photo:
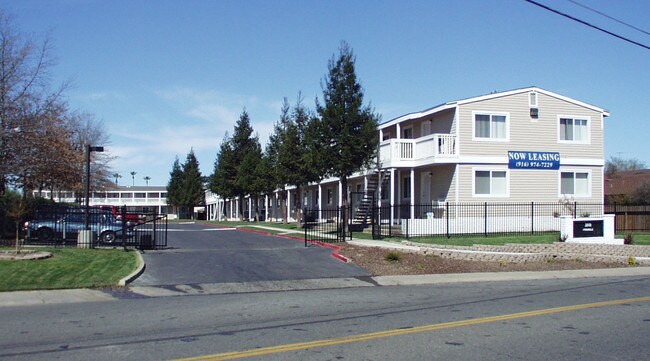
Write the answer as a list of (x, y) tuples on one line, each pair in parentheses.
[(533, 160)]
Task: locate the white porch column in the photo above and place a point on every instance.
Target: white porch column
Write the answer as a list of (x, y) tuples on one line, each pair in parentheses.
[(365, 184), (412, 193), (266, 208), (340, 194), (399, 132), (250, 208), (320, 200), (392, 195), (288, 205)]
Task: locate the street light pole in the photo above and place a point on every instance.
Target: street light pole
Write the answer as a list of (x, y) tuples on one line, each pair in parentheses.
[(89, 149)]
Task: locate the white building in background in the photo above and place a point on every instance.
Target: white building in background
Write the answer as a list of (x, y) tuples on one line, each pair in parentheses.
[(136, 199), (523, 145)]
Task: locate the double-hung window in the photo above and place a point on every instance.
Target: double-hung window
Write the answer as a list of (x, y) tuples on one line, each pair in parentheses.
[(574, 184), (574, 130), (490, 183), (491, 126)]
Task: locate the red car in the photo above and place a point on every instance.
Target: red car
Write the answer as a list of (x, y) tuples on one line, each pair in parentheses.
[(131, 218)]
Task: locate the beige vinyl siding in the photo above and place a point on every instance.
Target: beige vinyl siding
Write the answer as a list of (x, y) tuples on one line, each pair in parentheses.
[(442, 122), (528, 185), (442, 183), (526, 133)]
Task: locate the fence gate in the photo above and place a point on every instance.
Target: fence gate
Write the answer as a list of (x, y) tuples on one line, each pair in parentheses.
[(327, 225)]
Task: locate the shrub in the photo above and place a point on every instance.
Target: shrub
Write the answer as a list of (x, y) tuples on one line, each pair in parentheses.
[(393, 256), (629, 239), (632, 261)]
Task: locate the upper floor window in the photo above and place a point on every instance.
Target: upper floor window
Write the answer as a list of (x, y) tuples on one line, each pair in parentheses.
[(574, 130), (491, 126)]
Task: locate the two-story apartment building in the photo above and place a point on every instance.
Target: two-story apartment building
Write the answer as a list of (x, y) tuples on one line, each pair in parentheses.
[(523, 145)]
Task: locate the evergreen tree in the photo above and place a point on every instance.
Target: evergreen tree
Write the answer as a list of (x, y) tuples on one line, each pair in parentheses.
[(294, 155), (236, 162), (192, 193), (174, 185), (348, 129), (278, 156), (224, 170)]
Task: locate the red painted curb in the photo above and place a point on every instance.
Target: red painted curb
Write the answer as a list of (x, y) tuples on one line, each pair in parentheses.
[(335, 249)]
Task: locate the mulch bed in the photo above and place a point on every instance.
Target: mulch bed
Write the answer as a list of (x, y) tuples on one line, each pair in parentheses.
[(374, 261)]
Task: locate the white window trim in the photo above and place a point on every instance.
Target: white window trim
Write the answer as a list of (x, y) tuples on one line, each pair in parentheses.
[(574, 171), (574, 117), (491, 113), (494, 169), (530, 103)]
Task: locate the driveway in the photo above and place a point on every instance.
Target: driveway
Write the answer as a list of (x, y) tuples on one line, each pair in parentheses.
[(207, 254)]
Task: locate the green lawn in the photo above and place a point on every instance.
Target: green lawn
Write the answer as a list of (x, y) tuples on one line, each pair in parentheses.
[(472, 240), (68, 268), (640, 239)]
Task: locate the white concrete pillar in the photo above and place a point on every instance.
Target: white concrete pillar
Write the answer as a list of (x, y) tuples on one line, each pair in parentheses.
[(320, 200), (288, 204), (412, 191), (340, 194), (392, 195)]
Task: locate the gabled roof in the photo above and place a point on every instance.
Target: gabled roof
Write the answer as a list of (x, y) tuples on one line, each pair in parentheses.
[(453, 104)]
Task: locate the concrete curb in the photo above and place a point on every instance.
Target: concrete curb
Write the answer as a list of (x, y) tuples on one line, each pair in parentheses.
[(135, 274), (508, 276)]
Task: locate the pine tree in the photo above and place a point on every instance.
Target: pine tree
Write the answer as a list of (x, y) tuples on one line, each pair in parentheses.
[(348, 129), (236, 162), (192, 193), (175, 185), (224, 170)]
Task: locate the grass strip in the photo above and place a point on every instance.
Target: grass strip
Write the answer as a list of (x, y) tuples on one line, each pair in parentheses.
[(68, 268)]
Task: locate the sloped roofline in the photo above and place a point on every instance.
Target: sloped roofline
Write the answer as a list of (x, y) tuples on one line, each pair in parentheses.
[(453, 104)]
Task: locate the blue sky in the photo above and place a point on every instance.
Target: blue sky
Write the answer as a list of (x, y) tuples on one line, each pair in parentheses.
[(166, 76)]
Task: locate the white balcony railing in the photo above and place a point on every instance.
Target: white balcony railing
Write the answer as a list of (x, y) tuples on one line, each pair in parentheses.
[(434, 146)]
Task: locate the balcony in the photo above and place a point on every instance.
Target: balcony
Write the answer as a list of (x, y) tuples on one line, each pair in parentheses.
[(434, 148)]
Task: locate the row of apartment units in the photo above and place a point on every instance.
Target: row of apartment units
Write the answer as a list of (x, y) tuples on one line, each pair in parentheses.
[(524, 145), (137, 199)]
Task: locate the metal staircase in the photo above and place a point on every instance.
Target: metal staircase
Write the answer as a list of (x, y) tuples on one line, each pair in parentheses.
[(363, 210)]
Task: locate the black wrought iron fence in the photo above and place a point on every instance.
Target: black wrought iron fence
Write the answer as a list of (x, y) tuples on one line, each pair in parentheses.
[(326, 225), (108, 227), (462, 219), (492, 218)]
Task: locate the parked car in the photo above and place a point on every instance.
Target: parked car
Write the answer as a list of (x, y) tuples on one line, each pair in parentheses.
[(47, 227)]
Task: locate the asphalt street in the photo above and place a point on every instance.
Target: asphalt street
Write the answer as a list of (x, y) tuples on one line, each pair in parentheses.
[(207, 254), (526, 320)]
